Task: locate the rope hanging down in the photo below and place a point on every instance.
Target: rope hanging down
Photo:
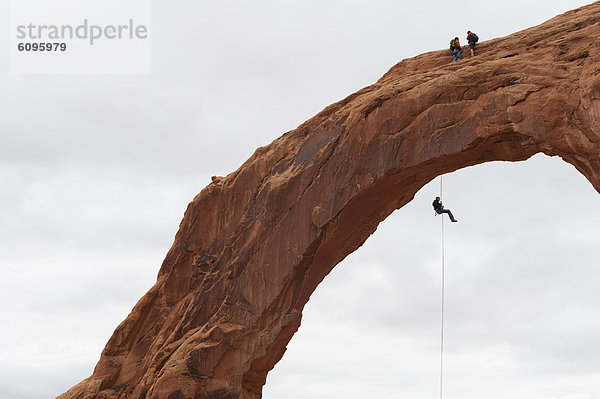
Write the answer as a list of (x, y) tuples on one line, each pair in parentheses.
[(443, 283), (443, 277)]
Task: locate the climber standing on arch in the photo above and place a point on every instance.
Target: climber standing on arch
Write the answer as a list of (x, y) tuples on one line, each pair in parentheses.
[(439, 209), (472, 38)]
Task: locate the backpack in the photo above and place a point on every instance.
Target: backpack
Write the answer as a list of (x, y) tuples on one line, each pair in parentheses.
[(474, 37), (452, 44)]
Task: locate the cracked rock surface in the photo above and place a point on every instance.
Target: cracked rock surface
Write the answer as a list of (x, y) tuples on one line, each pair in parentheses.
[(254, 245)]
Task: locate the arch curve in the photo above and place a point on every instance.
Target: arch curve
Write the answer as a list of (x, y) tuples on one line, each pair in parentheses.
[(253, 246)]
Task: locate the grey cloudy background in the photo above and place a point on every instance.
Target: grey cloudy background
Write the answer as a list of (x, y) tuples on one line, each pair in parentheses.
[(96, 172)]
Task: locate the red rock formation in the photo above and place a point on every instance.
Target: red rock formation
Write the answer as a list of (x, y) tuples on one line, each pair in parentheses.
[(254, 245)]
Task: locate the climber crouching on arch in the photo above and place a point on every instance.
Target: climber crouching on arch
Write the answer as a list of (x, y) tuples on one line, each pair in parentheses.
[(439, 209), (455, 49)]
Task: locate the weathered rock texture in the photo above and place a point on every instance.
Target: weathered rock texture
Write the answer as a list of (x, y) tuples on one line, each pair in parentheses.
[(254, 245)]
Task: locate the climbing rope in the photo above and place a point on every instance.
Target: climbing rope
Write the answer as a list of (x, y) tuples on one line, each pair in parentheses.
[(443, 295), (443, 277)]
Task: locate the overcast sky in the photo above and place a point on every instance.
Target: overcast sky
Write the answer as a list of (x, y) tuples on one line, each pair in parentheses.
[(97, 170)]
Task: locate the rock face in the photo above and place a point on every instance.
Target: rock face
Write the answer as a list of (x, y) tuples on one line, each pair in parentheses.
[(255, 244)]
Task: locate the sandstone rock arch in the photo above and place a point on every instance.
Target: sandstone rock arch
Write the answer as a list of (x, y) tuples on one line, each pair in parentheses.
[(254, 245)]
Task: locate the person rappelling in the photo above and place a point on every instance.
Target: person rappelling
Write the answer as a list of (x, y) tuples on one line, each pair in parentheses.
[(439, 209)]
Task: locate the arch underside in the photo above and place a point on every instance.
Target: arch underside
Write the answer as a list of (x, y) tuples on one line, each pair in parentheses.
[(253, 246)]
